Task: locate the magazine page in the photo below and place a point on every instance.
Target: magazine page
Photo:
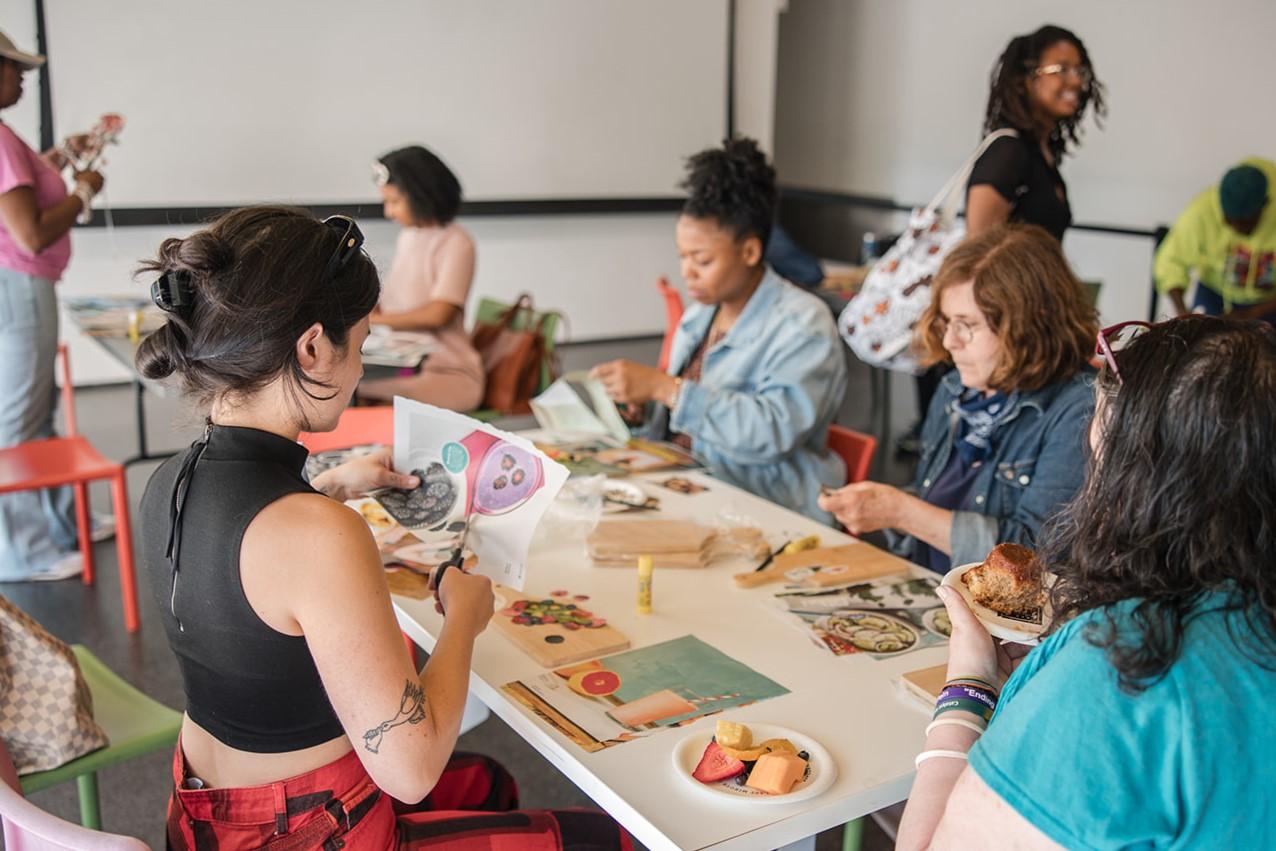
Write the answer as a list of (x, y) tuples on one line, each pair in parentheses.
[(578, 404), (497, 483)]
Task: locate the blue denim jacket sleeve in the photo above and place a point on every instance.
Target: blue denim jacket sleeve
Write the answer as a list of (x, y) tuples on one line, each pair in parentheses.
[(799, 370), (1057, 475)]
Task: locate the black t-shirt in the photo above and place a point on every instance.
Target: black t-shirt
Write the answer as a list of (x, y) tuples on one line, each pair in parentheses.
[(1016, 168)]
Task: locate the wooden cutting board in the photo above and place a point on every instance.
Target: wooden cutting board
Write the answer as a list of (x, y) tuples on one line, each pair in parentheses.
[(926, 683), (670, 543), (559, 642), (836, 566)]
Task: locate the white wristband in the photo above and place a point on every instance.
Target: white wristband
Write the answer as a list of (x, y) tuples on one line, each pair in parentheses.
[(925, 755), (955, 722)]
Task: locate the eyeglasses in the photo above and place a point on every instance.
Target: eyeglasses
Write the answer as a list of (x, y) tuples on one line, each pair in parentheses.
[(1116, 337), (1080, 73), (350, 244), (964, 331)]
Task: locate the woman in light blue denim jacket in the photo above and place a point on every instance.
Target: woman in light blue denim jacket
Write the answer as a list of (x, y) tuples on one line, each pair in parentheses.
[(1004, 440), (757, 371)]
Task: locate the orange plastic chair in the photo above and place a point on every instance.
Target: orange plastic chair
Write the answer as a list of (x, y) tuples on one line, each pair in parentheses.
[(357, 426), (673, 315), (72, 460), (856, 450)]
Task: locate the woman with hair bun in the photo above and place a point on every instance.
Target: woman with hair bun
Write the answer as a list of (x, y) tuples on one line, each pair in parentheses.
[(304, 716), (429, 281), (756, 372)]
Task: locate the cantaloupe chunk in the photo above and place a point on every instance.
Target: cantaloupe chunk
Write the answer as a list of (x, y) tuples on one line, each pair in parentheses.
[(776, 773)]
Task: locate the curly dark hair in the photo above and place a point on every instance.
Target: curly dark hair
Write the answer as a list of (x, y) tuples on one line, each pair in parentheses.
[(432, 189), (1180, 501), (733, 185), (1008, 104)]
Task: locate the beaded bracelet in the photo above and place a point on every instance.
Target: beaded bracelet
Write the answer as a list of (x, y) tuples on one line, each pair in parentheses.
[(973, 681)]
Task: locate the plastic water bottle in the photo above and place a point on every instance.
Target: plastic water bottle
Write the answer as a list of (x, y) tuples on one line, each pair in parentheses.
[(868, 248)]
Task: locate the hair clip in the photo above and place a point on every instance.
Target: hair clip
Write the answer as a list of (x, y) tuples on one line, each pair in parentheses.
[(380, 174), (172, 292)]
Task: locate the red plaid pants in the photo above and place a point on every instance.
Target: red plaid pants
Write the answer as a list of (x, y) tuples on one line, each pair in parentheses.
[(338, 807)]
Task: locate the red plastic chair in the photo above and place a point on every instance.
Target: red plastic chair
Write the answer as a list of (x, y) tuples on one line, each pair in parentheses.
[(856, 449), (72, 460), (29, 828), (673, 315)]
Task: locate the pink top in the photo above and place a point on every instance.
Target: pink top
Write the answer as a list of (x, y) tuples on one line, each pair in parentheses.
[(21, 166), (435, 264)]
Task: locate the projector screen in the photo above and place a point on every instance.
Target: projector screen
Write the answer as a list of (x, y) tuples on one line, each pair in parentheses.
[(239, 101)]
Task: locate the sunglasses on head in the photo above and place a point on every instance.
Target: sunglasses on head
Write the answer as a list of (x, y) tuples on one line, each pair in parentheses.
[(1116, 337), (350, 244)]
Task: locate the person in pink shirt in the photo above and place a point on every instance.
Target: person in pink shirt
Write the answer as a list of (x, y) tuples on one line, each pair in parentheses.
[(428, 282), (37, 532)]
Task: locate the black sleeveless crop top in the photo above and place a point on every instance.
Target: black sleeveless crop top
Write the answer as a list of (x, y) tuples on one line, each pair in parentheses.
[(252, 687)]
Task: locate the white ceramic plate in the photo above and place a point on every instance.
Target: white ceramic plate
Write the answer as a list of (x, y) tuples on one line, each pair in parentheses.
[(998, 625), (820, 772)]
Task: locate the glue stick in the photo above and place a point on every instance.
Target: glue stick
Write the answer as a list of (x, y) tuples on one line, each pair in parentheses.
[(646, 567)]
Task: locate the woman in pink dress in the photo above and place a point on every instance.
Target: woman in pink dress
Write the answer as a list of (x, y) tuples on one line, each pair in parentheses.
[(428, 282)]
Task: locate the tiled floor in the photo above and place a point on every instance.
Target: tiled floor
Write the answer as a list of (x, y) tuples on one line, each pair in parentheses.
[(134, 794)]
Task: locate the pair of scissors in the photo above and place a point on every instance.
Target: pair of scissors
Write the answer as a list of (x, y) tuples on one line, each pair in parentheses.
[(455, 560)]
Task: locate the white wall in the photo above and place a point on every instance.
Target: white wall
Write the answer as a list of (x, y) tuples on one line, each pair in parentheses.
[(242, 101), (600, 270), (887, 98), (757, 24)]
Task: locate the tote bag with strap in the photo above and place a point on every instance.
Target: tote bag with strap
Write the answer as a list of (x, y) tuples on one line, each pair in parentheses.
[(878, 322), (46, 710), (514, 353)]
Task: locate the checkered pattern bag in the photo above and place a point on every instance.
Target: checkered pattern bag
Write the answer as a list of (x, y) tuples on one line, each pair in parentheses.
[(46, 710)]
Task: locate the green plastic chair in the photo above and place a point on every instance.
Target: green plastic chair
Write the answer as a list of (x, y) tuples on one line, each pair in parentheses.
[(135, 725), (490, 310), (1092, 289)]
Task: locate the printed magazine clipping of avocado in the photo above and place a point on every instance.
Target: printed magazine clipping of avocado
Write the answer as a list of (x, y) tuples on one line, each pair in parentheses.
[(498, 483)]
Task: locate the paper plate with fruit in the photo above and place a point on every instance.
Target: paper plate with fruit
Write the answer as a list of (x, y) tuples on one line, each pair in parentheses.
[(1021, 627), (759, 763)]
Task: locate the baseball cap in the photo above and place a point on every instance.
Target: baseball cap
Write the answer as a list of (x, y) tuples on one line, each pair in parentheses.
[(1242, 192), (10, 52)]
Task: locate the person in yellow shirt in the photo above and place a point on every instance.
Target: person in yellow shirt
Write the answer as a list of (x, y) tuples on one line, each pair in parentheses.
[(1226, 240)]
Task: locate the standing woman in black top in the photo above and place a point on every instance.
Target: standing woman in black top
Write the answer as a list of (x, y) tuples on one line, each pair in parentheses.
[(1041, 87), (304, 714)]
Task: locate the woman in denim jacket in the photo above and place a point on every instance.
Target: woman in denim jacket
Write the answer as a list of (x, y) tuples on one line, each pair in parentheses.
[(757, 370), (1004, 438)]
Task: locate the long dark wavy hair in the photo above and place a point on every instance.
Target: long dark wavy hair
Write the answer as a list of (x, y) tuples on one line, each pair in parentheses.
[(1008, 104), (1180, 500)]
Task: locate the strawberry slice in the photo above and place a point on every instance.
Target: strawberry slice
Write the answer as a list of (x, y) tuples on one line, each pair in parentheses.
[(715, 765)]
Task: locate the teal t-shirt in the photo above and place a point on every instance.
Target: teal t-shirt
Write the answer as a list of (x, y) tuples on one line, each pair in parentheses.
[(1188, 763)]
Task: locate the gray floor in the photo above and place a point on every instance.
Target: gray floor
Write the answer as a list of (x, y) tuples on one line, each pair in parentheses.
[(134, 794)]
